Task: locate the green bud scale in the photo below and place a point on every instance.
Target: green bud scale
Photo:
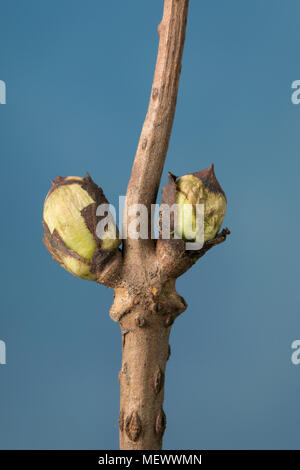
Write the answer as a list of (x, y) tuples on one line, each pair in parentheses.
[(201, 187), (70, 222)]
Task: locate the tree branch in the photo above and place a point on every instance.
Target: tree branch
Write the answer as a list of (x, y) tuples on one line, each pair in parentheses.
[(154, 140), (174, 260)]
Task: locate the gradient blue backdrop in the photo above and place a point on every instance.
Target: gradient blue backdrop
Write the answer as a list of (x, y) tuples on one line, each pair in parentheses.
[(78, 77)]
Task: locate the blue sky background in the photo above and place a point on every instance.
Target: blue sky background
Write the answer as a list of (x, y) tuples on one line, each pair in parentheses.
[(78, 77)]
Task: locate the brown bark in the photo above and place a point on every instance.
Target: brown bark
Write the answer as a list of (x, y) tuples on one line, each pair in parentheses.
[(154, 140), (145, 312), (146, 325), (145, 353), (143, 275)]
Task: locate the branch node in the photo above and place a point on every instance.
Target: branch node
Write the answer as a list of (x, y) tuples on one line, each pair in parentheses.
[(140, 321), (159, 380), (155, 93), (160, 423), (169, 321), (133, 426)]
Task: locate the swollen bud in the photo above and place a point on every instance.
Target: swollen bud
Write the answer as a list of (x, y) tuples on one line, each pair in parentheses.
[(201, 187), (70, 223)]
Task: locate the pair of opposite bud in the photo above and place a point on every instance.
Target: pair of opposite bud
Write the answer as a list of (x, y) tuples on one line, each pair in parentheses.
[(70, 218)]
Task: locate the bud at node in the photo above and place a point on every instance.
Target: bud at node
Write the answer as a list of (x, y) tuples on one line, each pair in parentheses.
[(70, 222), (200, 187)]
